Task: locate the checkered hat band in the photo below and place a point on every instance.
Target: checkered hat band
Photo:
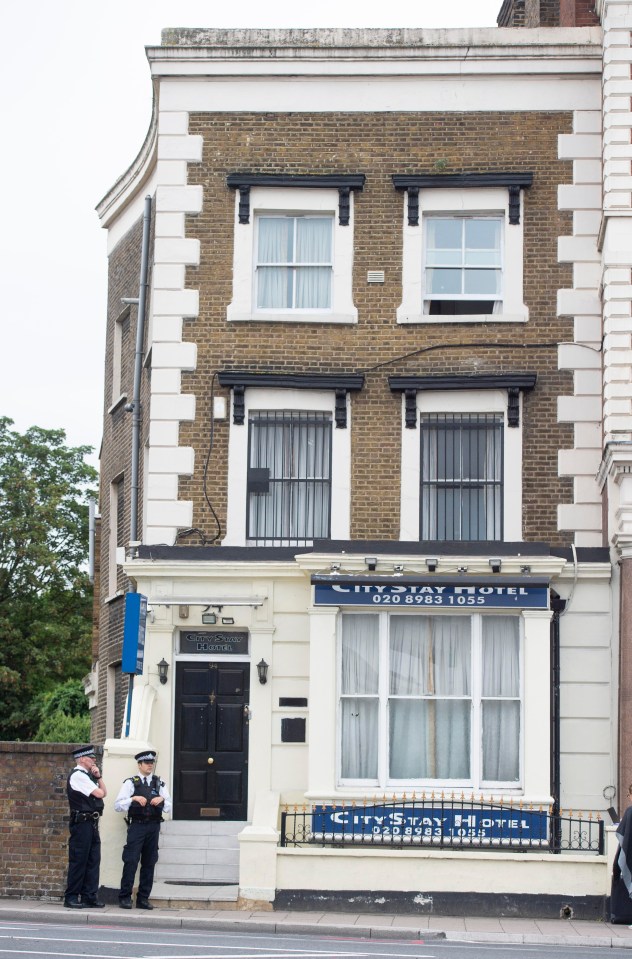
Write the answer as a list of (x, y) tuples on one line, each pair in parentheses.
[(145, 757), (84, 751)]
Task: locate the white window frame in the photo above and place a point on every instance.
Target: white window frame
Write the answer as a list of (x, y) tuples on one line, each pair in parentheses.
[(464, 297), (293, 265), (459, 402), (259, 399), (474, 201), (476, 697), (117, 394), (297, 201)]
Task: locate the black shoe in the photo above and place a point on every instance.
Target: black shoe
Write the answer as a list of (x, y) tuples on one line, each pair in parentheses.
[(93, 904), (73, 904), (125, 903), (143, 904)]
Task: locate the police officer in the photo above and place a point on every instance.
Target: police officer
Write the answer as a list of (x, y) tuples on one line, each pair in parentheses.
[(85, 789), (144, 798)]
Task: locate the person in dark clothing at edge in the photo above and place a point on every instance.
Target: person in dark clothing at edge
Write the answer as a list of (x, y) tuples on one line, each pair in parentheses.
[(86, 790), (144, 798)]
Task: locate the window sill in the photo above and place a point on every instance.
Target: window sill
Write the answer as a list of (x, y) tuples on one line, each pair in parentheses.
[(113, 597), (118, 403), (426, 318), (297, 317)]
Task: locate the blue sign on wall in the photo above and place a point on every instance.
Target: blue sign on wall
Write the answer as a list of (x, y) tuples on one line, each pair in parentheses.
[(427, 595), (134, 633), (444, 822)]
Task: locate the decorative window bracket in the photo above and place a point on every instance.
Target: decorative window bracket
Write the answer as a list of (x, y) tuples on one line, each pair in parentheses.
[(344, 183), (513, 383), (341, 383), (515, 182)]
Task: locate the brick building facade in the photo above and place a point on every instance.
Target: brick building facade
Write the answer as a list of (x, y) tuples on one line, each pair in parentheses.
[(371, 379)]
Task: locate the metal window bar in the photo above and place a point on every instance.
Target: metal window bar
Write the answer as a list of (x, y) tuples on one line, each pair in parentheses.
[(290, 504), (443, 821), (461, 476)]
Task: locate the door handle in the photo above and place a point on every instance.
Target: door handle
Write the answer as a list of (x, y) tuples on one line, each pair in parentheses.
[(210, 760)]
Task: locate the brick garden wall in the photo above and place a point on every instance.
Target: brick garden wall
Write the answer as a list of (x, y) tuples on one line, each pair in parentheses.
[(33, 819)]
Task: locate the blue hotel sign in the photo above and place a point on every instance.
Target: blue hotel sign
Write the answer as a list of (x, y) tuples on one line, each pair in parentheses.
[(399, 823), (427, 595), (134, 633)]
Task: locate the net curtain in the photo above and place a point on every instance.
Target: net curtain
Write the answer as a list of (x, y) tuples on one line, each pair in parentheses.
[(430, 697), (298, 251)]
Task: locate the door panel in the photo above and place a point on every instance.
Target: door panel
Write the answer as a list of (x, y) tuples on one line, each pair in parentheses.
[(211, 741)]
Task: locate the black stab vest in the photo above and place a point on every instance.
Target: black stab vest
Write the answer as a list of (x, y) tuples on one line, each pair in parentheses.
[(137, 813), (80, 803)]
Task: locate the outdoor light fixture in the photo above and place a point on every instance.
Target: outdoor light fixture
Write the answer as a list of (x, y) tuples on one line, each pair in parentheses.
[(495, 564), (398, 568), (228, 621), (432, 562), (371, 562), (262, 670), (163, 669), (209, 619), (334, 567)]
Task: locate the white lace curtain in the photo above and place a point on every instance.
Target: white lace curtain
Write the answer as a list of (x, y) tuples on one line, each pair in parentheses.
[(430, 698), (294, 265)]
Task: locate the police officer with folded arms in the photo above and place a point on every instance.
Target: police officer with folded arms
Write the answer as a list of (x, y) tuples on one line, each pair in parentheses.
[(86, 791), (144, 798)]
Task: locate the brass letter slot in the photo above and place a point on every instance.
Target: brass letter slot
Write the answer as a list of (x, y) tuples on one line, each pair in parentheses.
[(210, 811)]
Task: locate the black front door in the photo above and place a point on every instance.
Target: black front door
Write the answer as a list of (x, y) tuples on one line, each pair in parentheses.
[(211, 741)]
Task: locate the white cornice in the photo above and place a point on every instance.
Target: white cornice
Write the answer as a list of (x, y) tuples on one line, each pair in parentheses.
[(128, 186)]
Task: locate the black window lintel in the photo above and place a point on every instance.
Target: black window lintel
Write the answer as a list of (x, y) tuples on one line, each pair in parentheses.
[(341, 383), (413, 183), (343, 182), (514, 383)]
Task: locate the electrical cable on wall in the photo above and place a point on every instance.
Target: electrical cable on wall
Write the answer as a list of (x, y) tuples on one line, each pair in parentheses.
[(206, 541)]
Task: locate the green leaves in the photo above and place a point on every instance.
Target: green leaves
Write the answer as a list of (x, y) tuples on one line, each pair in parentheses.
[(45, 596)]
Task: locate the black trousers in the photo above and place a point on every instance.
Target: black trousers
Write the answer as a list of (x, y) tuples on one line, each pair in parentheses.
[(84, 860), (141, 846)]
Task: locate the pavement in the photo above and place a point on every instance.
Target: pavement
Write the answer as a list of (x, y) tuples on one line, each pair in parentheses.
[(377, 925)]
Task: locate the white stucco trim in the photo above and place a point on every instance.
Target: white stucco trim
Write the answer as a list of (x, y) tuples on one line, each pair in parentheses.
[(481, 200), (269, 200)]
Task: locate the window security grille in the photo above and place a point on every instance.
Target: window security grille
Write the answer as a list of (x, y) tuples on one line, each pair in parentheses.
[(461, 476), (289, 478)]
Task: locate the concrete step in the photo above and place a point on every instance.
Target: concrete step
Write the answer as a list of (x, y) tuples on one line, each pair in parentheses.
[(194, 897), (198, 852)]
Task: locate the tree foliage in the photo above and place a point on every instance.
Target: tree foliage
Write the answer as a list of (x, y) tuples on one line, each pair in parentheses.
[(64, 714), (45, 596)]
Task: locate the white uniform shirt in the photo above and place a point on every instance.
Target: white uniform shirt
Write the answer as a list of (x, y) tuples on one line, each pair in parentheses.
[(124, 799), (80, 781)]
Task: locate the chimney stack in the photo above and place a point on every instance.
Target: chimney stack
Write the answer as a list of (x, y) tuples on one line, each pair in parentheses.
[(547, 13)]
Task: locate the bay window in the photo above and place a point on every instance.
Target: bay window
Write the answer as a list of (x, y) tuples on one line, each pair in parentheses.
[(430, 700)]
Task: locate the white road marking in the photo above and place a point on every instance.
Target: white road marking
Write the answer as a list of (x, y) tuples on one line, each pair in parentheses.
[(90, 955)]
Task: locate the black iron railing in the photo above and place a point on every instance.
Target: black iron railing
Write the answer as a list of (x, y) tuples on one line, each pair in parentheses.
[(442, 821)]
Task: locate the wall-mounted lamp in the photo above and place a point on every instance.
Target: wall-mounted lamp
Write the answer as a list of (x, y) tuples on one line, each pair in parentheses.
[(432, 562), (371, 562), (262, 671), (228, 621), (525, 569), (163, 669), (461, 569), (495, 564), (398, 568), (334, 567)]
